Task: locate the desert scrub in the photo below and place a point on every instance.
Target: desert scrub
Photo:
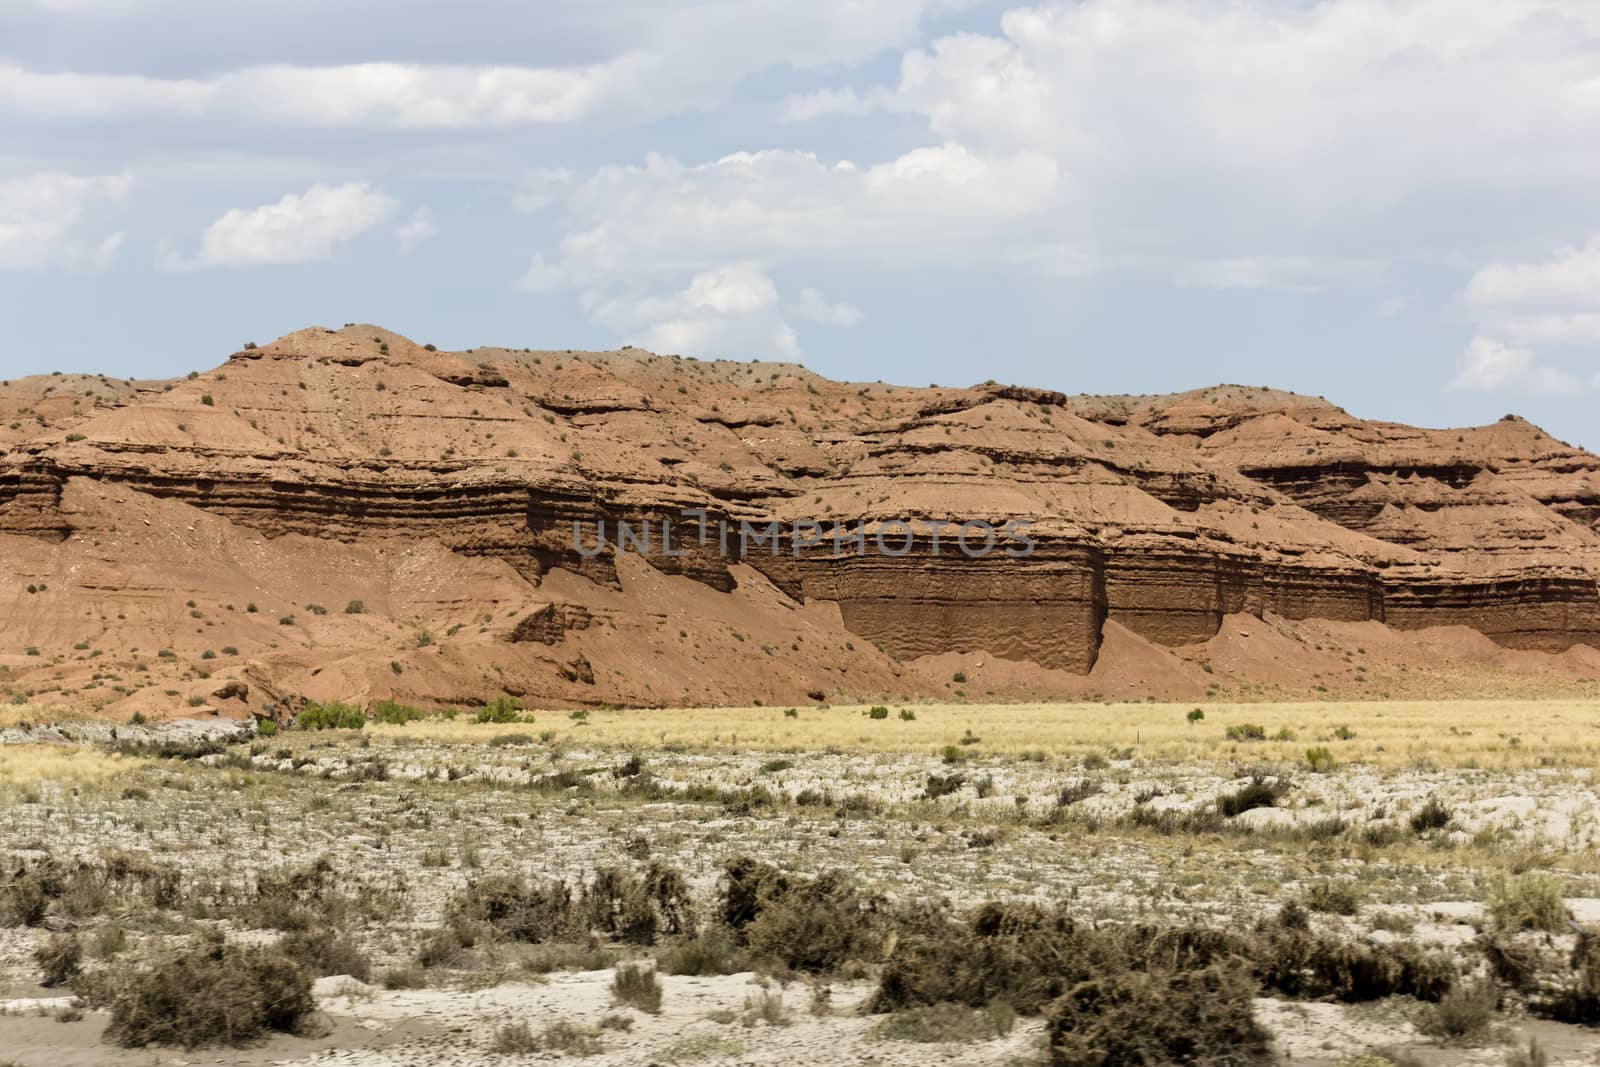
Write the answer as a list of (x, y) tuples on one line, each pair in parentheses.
[(812, 925), (59, 959), (1333, 898), (637, 987), (1527, 902), (213, 993), (713, 951), (1461, 1015), (1259, 792), (946, 1023), (1160, 1016)]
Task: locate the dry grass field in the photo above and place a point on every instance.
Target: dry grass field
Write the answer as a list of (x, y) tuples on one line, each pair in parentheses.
[(1332, 884), (1498, 734)]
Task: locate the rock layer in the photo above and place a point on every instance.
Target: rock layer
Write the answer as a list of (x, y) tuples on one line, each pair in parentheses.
[(1163, 515)]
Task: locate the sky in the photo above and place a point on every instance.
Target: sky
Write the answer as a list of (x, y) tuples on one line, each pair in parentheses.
[(1389, 203)]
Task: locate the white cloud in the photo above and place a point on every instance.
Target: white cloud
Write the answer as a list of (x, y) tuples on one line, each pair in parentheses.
[(1550, 302), (40, 213), (814, 307), (419, 229), (731, 311), (1570, 278), (1203, 131), (663, 58), (541, 188), (1490, 366), (667, 217), (299, 228), (829, 103)]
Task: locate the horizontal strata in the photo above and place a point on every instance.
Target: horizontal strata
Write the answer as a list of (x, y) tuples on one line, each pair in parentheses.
[(1049, 608), (1161, 514)]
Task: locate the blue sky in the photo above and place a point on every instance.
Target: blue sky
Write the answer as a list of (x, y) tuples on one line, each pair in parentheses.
[(1386, 202)]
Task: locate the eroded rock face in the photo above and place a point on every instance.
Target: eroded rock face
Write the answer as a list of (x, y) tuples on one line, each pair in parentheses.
[(439, 491)]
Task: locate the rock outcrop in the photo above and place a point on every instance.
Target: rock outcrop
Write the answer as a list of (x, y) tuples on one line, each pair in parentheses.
[(351, 515)]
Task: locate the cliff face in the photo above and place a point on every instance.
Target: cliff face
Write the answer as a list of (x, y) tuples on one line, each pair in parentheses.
[(434, 496)]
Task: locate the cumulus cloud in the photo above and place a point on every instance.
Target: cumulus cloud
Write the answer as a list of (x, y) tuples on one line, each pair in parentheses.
[(420, 227), (1550, 302), (1492, 366), (814, 307), (631, 228), (299, 228), (731, 311), (39, 217), (663, 58), (1203, 132), (665, 216)]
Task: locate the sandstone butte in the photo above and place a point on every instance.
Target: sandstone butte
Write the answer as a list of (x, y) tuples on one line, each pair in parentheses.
[(347, 515)]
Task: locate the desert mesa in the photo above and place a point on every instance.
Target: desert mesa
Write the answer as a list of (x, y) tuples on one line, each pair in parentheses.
[(347, 515)]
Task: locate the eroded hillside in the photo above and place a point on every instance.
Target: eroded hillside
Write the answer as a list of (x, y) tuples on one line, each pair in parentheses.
[(348, 515)]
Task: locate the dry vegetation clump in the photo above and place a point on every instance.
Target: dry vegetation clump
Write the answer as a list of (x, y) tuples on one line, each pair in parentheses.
[(324, 951), (633, 909), (1133, 1018), (1462, 1014), (516, 909), (81, 889), (617, 904), (59, 959), (812, 925), (946, 1023), (1141, 994), (1021, 954), (209, 994), (1563, 987), (712, 951), (1528, 902), (1259, 792), (563, 1037), (637, 987)]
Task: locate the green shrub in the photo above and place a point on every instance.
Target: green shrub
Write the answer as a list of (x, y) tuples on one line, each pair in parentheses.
[(355, 607), (395, 714), (1246, 731), (502, 709), (878, 711), (1319, 759), (330, 717)]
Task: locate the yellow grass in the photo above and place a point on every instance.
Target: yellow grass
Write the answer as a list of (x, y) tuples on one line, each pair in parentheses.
[(33, 764), (13, 714), (1486, 733)]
